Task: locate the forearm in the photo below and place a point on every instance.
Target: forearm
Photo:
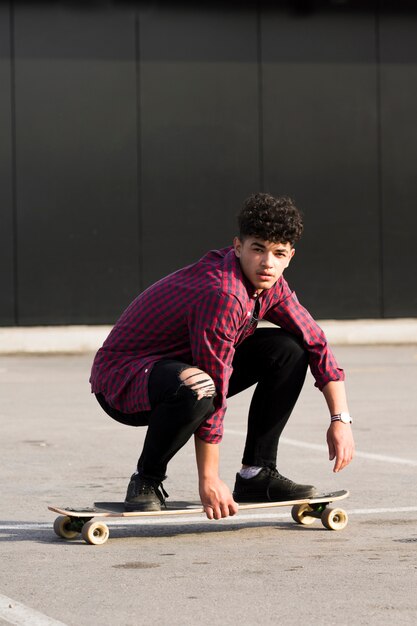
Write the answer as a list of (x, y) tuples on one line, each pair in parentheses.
[(335, 396), (207, 457)]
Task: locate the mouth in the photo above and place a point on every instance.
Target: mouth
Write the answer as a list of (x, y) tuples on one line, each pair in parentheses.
[(264, 275)]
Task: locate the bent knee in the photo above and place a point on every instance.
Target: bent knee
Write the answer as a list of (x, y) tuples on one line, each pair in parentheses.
[(199, 382), (288, 340), (286, 347)]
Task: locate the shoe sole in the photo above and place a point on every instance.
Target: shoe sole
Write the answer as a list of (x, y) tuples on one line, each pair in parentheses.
[(260, 498), (142, 508)]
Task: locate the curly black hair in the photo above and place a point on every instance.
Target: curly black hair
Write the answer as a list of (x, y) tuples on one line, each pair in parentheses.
[(272, 219)]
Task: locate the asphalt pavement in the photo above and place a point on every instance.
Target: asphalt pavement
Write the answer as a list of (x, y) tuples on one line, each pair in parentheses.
[(58, 447)]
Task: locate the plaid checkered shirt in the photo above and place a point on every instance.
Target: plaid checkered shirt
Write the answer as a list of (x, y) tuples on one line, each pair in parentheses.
[(198, 315)]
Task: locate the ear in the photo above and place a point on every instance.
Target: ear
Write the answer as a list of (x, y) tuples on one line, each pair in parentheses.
[(291, 256), (237, 244)]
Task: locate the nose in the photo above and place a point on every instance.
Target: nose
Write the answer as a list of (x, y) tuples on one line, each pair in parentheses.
[(267, 260)]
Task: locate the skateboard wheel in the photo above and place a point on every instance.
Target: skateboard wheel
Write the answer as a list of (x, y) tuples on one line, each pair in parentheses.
[(62, 527), (334, 519), (95, 533), (300, 514)]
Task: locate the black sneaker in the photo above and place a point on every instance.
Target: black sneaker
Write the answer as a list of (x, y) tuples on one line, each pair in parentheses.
[(144, 494), (270, 486)]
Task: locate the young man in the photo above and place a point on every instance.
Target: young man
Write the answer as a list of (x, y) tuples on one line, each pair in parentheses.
[(191, 340)]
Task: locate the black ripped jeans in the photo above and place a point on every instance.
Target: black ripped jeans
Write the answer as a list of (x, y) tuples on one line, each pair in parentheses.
[(271, 357)]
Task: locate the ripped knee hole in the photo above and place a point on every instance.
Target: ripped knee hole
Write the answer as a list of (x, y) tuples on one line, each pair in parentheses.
[(199, 382)]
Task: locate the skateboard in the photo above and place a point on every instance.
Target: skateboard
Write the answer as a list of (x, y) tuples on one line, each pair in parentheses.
[(73, 522)]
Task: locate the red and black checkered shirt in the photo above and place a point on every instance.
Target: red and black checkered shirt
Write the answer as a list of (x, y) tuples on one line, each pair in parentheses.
[(198, 315)]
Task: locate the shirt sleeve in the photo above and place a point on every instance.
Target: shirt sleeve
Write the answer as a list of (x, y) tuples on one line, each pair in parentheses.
[(290, 315), (213, 325)]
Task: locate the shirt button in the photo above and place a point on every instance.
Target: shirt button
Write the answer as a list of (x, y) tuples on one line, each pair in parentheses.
[(146, 371)]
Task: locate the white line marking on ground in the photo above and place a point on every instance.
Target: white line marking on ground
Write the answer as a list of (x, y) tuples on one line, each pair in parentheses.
[(400, 509), (243, 518), (316, 446), (25, 526), (15, 613)]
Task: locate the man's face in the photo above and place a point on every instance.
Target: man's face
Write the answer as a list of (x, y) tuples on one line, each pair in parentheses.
[(262, 262)]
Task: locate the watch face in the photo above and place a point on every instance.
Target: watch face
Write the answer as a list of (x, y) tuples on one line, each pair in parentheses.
[(345, 418)]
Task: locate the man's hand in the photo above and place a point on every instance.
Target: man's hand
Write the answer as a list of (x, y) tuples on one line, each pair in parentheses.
[(216, 498), (339, 435), (341, 445), (214, 493)]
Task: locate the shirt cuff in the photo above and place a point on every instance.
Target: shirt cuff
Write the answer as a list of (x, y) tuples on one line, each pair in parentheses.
[(335, 376)]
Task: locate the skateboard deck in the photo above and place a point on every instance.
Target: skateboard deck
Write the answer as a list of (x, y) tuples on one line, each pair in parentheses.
[(75, 521)]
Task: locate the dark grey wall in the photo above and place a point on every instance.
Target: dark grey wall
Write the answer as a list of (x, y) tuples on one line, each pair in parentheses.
[(320, 140), (76, 163), (7, 227), (200, 135), (398, 158), (131, 133)]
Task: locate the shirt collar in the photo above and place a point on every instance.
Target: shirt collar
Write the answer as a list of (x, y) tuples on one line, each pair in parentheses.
[(234, 280)]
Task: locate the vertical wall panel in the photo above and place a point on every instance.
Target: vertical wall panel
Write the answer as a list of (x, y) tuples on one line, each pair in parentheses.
[(398, 45), (199, 119), (96, 84), (76, 162), (6, 200), (320, 140)]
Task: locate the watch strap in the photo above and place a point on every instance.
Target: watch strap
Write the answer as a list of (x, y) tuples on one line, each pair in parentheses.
[(345, 418)]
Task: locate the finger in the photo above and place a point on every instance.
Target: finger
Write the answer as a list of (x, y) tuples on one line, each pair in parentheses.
[(339, 454), (340, 462), (336, 467), (233, 508), (217, 514), (348, 457), (332, 452), (343, 459), (224, 509), (208, 511)]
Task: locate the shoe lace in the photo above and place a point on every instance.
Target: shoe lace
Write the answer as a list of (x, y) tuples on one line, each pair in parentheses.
[(274, 473), (161, 493), (146, 487)]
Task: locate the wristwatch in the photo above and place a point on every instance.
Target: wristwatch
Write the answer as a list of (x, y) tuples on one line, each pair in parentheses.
[(341, 417)]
